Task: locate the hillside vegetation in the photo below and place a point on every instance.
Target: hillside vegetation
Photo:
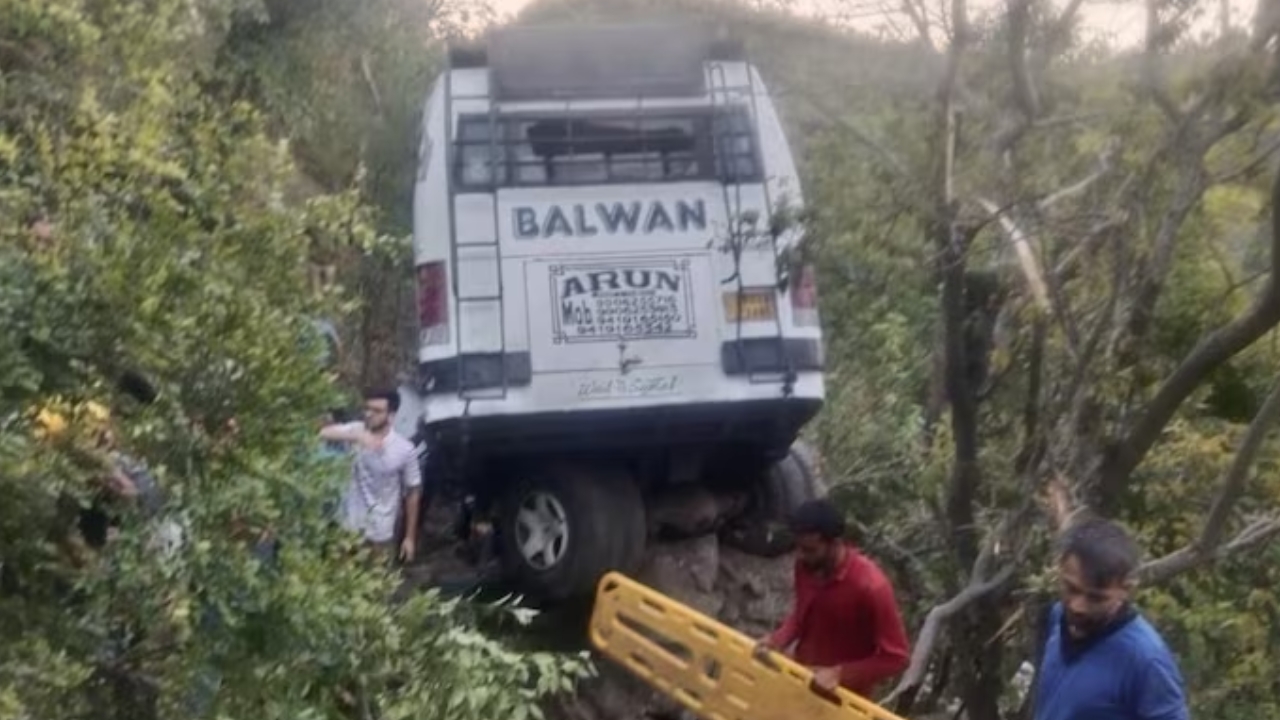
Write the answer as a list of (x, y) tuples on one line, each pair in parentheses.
[(1041, 265), (147, 231)]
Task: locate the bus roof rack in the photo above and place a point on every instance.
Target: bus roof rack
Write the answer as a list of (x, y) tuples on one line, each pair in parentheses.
[(563, 61)]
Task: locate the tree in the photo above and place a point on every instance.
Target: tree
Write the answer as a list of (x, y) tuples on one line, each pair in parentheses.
[(154, 239), (1094, 187)]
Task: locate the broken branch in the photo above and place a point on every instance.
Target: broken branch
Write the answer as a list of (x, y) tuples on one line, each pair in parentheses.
[(1026, 256), (1104, 167)]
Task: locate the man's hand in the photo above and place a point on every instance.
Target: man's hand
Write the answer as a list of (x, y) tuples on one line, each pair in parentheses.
[(408, 548), (762, 649), (827, 678)]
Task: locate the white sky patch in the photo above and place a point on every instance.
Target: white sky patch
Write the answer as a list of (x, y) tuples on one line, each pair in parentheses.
[(1117, 23)]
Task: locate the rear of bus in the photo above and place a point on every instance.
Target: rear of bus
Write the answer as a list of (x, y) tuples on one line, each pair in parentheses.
[(594, 256)]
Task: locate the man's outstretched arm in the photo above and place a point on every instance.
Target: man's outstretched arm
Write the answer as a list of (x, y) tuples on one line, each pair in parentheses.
[(352, 433), (342, 432)]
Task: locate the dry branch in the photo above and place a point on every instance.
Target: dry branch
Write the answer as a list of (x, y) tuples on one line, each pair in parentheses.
[(1189, 558), (927, 640), (1105, 159), (1026, 255), (366, 72)]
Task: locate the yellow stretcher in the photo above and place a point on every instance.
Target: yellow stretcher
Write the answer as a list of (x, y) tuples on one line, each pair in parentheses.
[(706, 666)]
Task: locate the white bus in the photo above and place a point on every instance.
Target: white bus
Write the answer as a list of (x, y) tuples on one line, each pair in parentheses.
[(606, 302)]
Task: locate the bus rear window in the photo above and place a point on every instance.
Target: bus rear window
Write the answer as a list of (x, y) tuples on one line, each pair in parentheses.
[(585, 150)]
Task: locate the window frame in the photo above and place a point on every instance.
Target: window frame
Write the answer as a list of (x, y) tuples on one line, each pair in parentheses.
[(712, 161)]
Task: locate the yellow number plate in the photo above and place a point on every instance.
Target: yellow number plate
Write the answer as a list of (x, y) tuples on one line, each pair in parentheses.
[(757, 305)]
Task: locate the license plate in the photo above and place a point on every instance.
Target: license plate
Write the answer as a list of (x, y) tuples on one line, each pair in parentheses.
[(755, 306)]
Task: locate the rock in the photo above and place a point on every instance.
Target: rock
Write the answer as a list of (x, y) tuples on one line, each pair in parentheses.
[(757, 591), (686, 571)]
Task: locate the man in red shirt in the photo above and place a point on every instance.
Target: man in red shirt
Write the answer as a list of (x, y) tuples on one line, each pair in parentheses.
[(845, 623)]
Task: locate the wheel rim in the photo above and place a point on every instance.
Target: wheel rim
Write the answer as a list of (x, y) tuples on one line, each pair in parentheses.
[(542, 530)]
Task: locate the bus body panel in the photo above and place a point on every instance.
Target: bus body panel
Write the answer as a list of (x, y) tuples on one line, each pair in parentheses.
[(589, 296)]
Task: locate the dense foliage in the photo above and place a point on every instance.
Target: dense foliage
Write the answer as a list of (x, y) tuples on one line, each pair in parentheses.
[(149, 228), (1042, 262), (1150, 237), (1111, 217)]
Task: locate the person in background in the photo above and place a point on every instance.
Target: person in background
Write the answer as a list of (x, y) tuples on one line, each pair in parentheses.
[(120, 483), (123, 481), (386, 481), (1102, 660), (844, 623)]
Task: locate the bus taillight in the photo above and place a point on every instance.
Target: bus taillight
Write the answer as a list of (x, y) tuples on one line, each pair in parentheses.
[(433, 303), (804, 296)]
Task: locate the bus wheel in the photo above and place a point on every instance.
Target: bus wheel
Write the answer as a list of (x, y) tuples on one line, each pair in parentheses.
[(563, 527), (791, 482)]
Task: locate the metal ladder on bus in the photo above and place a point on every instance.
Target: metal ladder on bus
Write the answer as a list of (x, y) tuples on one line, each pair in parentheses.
[(719, 89), (462, 301)]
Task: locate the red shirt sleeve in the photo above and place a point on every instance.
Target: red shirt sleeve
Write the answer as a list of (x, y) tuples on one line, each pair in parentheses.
[(789, 630), (892, 653), (786, 632)]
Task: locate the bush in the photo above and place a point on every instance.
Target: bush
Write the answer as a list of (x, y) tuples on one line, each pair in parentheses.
[(145, 231)]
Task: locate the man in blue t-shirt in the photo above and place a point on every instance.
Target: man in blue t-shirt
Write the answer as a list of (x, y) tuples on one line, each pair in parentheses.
[(1102, 659)]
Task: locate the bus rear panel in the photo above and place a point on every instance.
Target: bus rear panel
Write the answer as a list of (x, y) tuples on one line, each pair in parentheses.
[(595, 246)]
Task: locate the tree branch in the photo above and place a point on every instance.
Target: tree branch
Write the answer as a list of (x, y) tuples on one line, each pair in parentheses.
[(1151, 66), (918, 16), (1249, 167), (951, 242), (1062, 26), (1214, 349), (1024, 87), (1190, 188), (1162, 570), (367, 73), (1022, 247), (934, 621), (1104, 166), (1008, 541), (1209, 545)]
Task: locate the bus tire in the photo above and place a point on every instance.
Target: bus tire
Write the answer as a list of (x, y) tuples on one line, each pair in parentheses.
[(629, 510), (790, 483), (564, 526)]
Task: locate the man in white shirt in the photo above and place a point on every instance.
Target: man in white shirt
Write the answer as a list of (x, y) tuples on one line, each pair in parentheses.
[(385, 477)]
